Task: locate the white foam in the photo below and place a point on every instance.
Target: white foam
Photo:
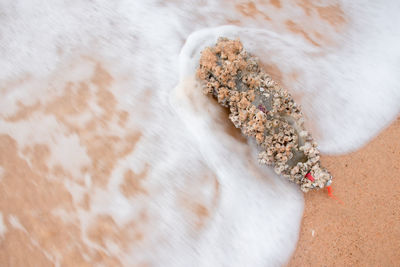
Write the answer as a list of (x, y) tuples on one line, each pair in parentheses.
[(354, 91), (70, 154), (14, 221), (3, 227), (350, 92)]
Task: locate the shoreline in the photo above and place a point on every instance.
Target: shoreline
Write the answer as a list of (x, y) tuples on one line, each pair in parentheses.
[(365, 230)]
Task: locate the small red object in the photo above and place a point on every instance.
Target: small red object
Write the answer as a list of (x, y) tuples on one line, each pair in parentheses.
[(329, 188), (309, 177), (330, 194)]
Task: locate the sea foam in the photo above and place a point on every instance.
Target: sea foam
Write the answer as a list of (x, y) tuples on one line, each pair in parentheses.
[(205, 200)]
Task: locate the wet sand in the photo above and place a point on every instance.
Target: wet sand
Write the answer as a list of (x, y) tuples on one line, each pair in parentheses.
[(365, 230)]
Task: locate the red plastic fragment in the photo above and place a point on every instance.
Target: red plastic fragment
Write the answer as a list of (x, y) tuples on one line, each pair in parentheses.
[(330, 194), (309, 177)]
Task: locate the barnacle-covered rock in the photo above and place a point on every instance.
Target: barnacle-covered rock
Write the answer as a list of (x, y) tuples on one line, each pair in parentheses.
[(262, 110)]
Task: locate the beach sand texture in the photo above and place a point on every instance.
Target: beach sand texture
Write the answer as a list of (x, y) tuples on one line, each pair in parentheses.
[(110, 154), (365, 230)]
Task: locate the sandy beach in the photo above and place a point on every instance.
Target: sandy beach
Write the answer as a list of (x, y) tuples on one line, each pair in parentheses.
[(110, 155), (365, 230)]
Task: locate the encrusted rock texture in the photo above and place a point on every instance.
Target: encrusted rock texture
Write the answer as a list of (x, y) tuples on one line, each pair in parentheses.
[(263, 110)]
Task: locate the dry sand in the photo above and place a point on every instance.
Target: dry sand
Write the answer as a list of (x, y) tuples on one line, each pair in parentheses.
[(365, 230)]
